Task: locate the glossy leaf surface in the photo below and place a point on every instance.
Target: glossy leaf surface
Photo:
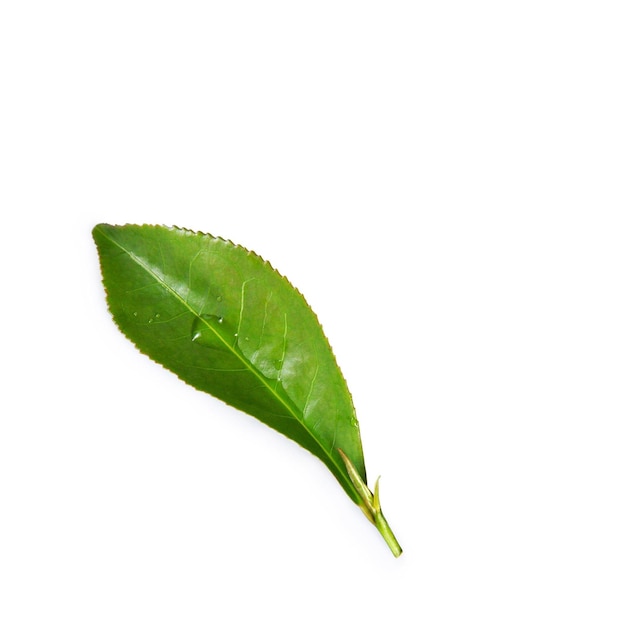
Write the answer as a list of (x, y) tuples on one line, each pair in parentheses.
[(227, 323)]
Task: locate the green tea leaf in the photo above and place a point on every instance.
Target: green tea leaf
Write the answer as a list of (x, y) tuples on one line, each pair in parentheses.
[(227, 323)]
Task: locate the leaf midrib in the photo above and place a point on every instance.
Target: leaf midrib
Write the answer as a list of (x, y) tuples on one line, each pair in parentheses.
[(249, 366)]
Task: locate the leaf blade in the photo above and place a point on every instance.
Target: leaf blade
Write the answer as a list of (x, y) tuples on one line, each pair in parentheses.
[(226, 322)]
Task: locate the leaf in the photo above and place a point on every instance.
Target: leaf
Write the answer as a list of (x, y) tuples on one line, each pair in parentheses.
[(227, 323)]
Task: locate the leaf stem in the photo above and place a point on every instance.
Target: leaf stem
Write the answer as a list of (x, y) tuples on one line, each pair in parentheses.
[(388, 535), (371, 506)]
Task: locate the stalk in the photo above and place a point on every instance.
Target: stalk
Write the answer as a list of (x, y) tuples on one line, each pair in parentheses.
[(371, 506)]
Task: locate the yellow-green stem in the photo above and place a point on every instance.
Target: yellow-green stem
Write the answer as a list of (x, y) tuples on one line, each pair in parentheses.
[(371, 507)]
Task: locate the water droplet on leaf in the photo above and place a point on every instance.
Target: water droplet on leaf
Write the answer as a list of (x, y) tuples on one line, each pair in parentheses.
[(207, 330)]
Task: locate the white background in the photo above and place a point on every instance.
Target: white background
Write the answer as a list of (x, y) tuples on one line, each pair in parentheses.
[(444, 183)]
